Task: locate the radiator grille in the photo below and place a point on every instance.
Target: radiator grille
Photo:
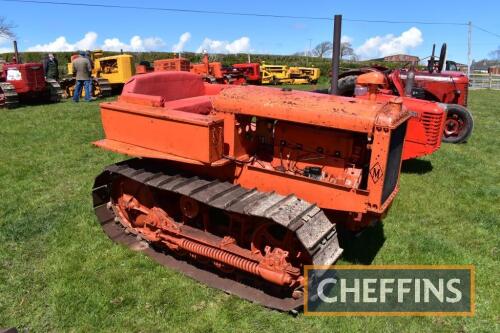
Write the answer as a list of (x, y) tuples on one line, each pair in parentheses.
[(432, 125), (394, 161), (34, 78)]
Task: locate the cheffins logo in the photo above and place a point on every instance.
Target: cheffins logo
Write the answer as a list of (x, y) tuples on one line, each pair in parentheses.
[(389, 290)]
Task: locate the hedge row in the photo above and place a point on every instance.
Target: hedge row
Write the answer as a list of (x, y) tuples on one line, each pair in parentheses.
[(324, 64)]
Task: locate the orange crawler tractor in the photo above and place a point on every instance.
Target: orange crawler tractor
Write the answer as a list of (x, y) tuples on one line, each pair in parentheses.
[(241, 186)]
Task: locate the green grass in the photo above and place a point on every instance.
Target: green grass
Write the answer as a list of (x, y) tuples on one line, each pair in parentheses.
[(59, 272)]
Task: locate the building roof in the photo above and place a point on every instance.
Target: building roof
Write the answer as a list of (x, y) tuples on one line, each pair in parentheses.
[(398, 57)]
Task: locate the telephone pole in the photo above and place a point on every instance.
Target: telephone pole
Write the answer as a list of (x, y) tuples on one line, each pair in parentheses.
[(337, 26)]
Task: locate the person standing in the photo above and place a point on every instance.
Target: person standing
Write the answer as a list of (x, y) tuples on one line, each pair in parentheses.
[(89, 57), (51, 67), (82, 70)]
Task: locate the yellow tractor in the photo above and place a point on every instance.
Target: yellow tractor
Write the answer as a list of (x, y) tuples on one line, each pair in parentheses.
[(109, 74), (282, 74), (308, 74), (274, 74)]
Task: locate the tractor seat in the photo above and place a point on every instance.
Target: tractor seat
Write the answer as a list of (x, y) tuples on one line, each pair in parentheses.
[(182, 91), (198, 104), (167, 85)]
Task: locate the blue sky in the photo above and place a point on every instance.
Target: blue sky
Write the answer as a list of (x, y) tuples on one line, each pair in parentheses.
[(49, 27)]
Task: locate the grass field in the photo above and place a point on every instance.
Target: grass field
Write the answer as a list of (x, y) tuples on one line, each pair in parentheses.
[(60, 273)]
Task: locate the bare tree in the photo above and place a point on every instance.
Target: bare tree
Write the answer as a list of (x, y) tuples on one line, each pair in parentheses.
[(322, 49), (495, 54), (325, 49), (6, 29), (346, 50)]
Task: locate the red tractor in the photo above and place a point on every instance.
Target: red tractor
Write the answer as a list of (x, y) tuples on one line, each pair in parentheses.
[(251, 71), (424, 127), (433, 84), (25, 82)]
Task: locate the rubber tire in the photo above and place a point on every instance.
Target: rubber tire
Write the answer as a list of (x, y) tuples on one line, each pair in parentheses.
[(464, 114), (347, 85)]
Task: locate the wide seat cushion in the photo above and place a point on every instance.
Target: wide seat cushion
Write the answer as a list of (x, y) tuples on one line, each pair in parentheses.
[(168, 85), (198, 104)]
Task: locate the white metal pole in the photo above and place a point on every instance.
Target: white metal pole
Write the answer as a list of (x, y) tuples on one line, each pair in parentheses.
[(469, 49)]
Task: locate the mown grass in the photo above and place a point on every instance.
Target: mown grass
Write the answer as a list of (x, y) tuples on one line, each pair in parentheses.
[(59, 272)]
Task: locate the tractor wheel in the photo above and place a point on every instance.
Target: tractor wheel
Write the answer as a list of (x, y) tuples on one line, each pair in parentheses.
[(346, 85), (458, 125)]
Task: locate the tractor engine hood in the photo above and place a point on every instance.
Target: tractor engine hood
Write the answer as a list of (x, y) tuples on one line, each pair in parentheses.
[(311, 108)]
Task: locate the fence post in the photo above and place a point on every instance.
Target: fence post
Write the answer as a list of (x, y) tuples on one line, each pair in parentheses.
[(490, 80)]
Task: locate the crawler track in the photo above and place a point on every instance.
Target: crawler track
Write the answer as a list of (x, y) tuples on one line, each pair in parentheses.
[(8, 96), (100, 87), (55, 90), (306, 222), (103, 87)]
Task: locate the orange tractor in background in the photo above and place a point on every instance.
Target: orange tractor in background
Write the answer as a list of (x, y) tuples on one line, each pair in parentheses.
[(212, 72), (240, 187)]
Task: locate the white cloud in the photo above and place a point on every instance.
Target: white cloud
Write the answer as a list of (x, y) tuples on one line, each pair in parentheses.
[(153, 43), (183, 39), (239, 45), (89, 42), (137, 43), (346, 39), (5, 45), (61, 44), (381, 46), (113, 44)]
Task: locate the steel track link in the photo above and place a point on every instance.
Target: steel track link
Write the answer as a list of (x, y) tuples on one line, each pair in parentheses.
[(55, 90), (314, 230), (10, 97), (104, 87)]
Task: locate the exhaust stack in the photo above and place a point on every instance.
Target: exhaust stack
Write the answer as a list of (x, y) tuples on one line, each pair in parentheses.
[(410, 80), (16, 53)]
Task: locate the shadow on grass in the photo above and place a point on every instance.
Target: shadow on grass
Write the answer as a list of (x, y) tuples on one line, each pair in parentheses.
[(416, 166), (362, 248)]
